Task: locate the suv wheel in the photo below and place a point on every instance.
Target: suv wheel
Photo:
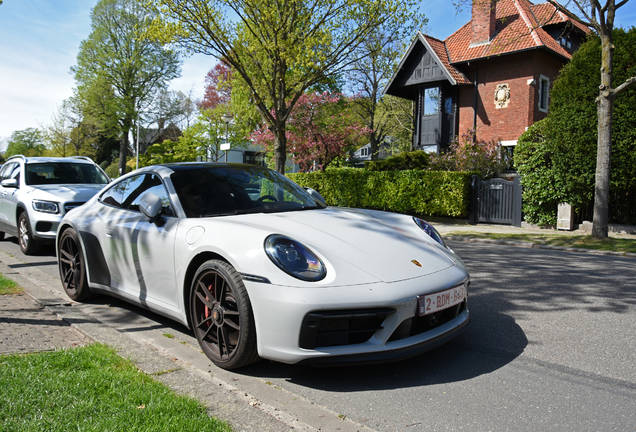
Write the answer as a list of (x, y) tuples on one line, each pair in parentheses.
[(28, 245)]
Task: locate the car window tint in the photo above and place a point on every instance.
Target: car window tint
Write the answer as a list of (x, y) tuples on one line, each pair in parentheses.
[(114, 195), (141, 184), (63, 173)]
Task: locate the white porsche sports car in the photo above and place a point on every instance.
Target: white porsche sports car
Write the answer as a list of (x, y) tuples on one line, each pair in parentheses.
[(258, 267)]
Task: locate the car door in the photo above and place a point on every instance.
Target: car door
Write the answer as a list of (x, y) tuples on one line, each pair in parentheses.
[(141, 253), (9, 197)]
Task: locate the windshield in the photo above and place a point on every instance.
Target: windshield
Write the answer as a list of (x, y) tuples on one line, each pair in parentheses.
[(215, 190), (63, 173)]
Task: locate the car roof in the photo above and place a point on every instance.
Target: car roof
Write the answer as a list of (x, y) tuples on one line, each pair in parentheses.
[(42, 159)]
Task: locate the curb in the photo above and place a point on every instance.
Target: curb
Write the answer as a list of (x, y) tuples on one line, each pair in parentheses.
[(530, 245)]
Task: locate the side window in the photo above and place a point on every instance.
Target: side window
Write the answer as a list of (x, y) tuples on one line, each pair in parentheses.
[(114, 195), (6, 171), (544, 93), (141, 184)]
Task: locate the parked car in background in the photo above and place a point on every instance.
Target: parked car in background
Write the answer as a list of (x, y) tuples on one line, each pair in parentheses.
[(36, 193), (258, 267)]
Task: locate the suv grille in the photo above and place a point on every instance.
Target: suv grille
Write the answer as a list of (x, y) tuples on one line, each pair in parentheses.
[(71, 205)]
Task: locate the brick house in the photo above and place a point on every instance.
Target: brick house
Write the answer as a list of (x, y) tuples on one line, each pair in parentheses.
[(492, 75)]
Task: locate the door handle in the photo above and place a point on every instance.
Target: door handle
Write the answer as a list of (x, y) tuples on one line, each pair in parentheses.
[(109, 232)]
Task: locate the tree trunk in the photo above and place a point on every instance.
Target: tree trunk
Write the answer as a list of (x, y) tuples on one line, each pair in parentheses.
[(605, 103), (280, 148), (374, 146), (123, 150)]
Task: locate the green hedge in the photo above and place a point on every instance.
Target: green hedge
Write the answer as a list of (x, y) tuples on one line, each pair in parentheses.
[(430, 193)]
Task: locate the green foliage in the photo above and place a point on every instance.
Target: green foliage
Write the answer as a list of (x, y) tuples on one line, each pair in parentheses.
[(113, 169), (534, 162), (27, 142), (430, 193), (558, 157), (413, 160), (119, 68), (280, 48), (472, 155)]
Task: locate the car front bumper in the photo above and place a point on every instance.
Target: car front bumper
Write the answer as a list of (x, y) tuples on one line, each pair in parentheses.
[(281, 319)]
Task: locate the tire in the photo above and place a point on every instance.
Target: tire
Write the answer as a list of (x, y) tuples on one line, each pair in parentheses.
[(28, 245), (221, 316), (1, 235), (72, 266)]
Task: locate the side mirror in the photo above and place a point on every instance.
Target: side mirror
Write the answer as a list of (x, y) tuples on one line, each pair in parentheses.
[(315, 195), (150, 206), (10, 183)]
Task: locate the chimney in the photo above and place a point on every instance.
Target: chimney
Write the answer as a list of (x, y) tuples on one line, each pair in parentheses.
[(483, 21)]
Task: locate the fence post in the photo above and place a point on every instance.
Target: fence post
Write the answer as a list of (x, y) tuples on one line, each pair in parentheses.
[(475, 188), (517, 201)]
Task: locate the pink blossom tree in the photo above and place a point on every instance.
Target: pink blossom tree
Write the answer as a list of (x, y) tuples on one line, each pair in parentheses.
[(321, 128)]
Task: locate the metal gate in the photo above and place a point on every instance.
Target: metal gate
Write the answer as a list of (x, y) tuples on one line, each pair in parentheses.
[(495, 201)]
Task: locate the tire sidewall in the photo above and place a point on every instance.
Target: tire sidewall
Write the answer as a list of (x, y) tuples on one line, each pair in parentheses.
[(247, 335), (82, 291)]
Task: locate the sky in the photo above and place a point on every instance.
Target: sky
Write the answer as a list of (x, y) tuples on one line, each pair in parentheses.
[(39, 41)]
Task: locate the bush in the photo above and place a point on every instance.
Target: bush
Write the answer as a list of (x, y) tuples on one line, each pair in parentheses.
[(113, 169), (472, 155), (412, 160), (416, 192)]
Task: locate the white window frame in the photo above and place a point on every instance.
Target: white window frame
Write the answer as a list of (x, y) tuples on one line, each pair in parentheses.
[(543, 102)]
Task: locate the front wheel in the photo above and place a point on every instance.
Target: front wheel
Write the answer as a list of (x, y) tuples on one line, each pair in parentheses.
[(221, 315), (72, 268), (25, 237)]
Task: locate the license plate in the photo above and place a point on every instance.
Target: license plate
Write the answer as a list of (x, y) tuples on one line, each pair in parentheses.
[(431, 303)]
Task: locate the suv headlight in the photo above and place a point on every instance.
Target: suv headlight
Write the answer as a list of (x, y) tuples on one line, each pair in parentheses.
[(294, 258), (432, 232), (45, 206)]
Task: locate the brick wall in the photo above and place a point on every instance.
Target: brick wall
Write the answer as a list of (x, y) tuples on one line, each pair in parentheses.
[(515, 70)]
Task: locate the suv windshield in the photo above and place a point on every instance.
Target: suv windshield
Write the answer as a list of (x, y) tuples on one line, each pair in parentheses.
[(63, 172), (224, 190)]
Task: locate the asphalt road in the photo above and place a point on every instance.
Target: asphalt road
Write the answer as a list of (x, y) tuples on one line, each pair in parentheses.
[(552, 346)]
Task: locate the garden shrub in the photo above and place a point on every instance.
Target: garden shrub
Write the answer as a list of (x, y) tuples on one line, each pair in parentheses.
[(412, 160), (419, 192)]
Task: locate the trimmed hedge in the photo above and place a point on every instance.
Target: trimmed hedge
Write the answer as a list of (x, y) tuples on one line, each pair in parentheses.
[(430, 193)]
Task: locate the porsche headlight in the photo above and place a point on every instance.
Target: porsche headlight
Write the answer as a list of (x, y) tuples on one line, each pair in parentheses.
[(432, 232), (45, 206), (294, 258)]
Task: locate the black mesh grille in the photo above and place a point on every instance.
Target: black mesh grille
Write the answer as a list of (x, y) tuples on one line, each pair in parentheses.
[(421, 324), (71, 205), (343, 327)]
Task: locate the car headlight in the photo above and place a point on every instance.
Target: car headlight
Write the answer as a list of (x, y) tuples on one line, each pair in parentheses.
[(45, 206), (294, 258), (428, 229)]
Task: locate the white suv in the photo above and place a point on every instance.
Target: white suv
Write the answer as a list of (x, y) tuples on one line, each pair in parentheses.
[(36, 192)]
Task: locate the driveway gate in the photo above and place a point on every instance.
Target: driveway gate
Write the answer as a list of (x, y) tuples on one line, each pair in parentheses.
[(495, 201)]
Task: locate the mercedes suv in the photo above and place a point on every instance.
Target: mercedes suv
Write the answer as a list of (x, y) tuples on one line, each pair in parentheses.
[(36, 192)]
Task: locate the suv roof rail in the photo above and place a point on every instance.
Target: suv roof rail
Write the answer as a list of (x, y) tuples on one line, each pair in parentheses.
[(83, 158), (17, 156)]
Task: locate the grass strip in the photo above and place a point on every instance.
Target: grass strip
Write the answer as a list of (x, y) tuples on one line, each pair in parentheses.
[(613, 244), (91, 389), (7, 286)]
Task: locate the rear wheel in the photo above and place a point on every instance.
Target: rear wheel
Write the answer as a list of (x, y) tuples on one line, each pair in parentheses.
[(28, 245), (221, 314), (72, 268)]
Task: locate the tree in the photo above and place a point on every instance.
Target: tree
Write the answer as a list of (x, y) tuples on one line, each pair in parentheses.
[(27, 142), (321, 127), (218, 87), (557, 159), (368, 77), (280, 48), (119, 68), (600, 17)]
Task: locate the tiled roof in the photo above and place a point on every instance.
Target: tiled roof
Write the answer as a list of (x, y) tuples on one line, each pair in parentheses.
[(547, 14), (440, 50), (518, 28)]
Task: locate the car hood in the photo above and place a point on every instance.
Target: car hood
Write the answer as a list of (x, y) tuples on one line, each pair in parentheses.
[(388, 246), (65, 192)]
